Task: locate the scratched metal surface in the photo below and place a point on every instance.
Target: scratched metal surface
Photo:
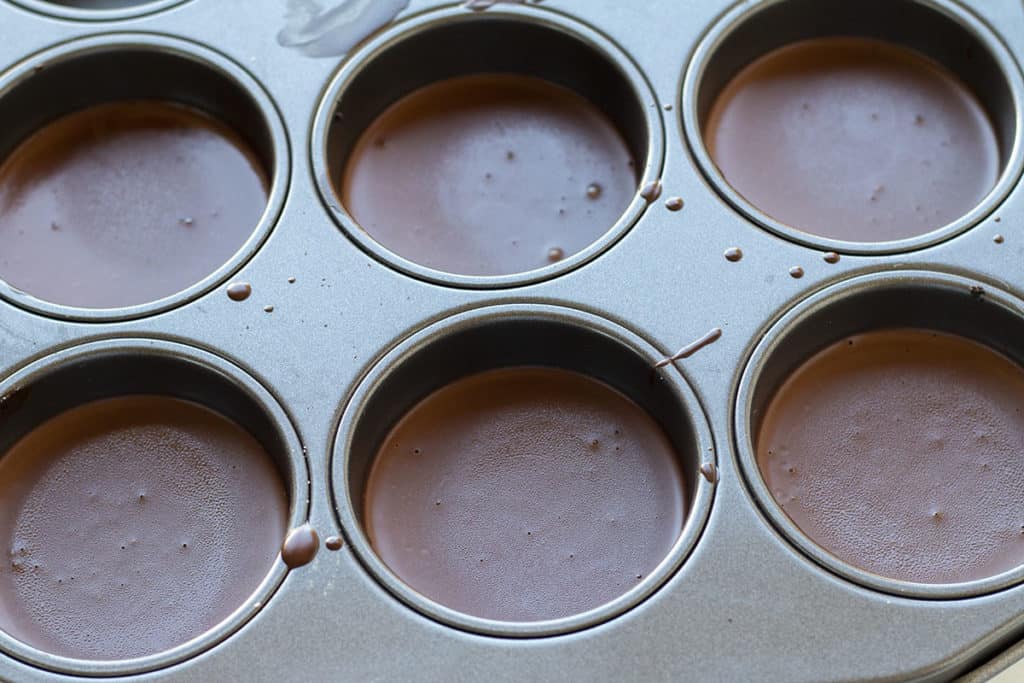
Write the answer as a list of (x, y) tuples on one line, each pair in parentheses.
[(745, 604)]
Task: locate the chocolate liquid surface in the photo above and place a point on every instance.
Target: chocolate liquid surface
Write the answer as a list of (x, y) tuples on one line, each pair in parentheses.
[(853, 139), (132, 525), (525, 494), (899, 452), (489, 175), (125, 203)]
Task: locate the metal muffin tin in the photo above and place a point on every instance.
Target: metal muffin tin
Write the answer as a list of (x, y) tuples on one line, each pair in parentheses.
[(507, 336), (312, 361), (124, 66), (106, 369)]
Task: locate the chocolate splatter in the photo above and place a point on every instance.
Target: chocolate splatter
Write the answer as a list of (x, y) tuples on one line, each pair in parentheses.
[(710, 338), (300, 546), (239, 291), (709, 472), (651, 191)]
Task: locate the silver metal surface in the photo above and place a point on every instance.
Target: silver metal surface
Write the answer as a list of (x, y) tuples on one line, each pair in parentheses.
[(746, 603)]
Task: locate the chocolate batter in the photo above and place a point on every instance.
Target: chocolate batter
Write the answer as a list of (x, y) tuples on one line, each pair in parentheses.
[(132, 525), (900, 452), (125, 203), (525, 494), (853, 139), (489, 175)]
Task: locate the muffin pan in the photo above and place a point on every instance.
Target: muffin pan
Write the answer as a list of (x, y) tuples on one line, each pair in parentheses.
[(694, 304)]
